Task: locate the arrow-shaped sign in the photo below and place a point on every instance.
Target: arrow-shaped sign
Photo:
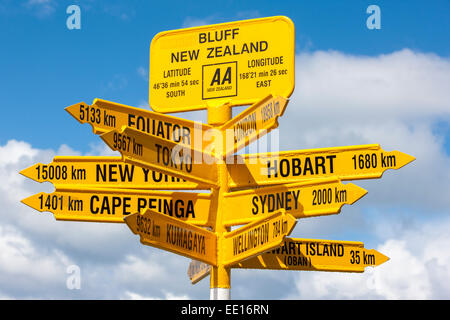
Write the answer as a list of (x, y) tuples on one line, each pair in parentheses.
[(162, 155), (264, 234), (167, 233), (198, 270), (112, 205), (105, 116), (103, 172), (302, 199), (316, 255), (345, 163), (253, 123)]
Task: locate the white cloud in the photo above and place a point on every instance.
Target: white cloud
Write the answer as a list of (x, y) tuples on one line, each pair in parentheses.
[(400, 84), (27, 267), (405, 276), (65, 150), (190, 22), (346, 98), (101, 149), (419, 268), (13, 155), (342, 99), (143, 73), (37, 249), (14, 150), (133, 265), (392, 99), (120, 11), (20, 257)]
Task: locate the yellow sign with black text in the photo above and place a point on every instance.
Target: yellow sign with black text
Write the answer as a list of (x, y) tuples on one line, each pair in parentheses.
[(105, 116), (253, 123), (254, 238), (302, 200), (167, 233), (316, 255), (164, 156), (346, 163), (104, 172), (112, 205), (237, 62)]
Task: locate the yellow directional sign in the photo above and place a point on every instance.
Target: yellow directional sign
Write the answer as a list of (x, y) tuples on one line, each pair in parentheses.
[(254, 238), (198, 270), (253, 123), (302, 200), (345, 163), (105, 116), (237, 63), (112, 205), (316, 255), (104, 172), (164, 156), (167, 233)]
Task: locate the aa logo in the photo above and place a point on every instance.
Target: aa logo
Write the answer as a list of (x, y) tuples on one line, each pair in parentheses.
[(219, 80)]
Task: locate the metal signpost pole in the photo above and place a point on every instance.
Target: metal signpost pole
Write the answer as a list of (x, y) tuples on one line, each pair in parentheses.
[(220, 278)]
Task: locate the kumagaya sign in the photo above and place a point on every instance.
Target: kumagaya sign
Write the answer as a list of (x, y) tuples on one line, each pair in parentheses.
[(237, 63)]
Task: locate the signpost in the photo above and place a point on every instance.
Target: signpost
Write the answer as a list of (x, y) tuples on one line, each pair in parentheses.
[(253, 123), (104, 172), (345, 163), (215, 68), (316, 255), (167, 233), (105, 116), (236, 62), (112, 205), (165, 156), (302, 200), (254, 238)]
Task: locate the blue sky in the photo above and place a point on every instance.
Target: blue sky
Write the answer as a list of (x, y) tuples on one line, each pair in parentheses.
[(47, 67), (353, 86)]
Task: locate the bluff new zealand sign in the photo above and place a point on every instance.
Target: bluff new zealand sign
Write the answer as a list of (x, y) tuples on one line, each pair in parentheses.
[(237, 63)]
